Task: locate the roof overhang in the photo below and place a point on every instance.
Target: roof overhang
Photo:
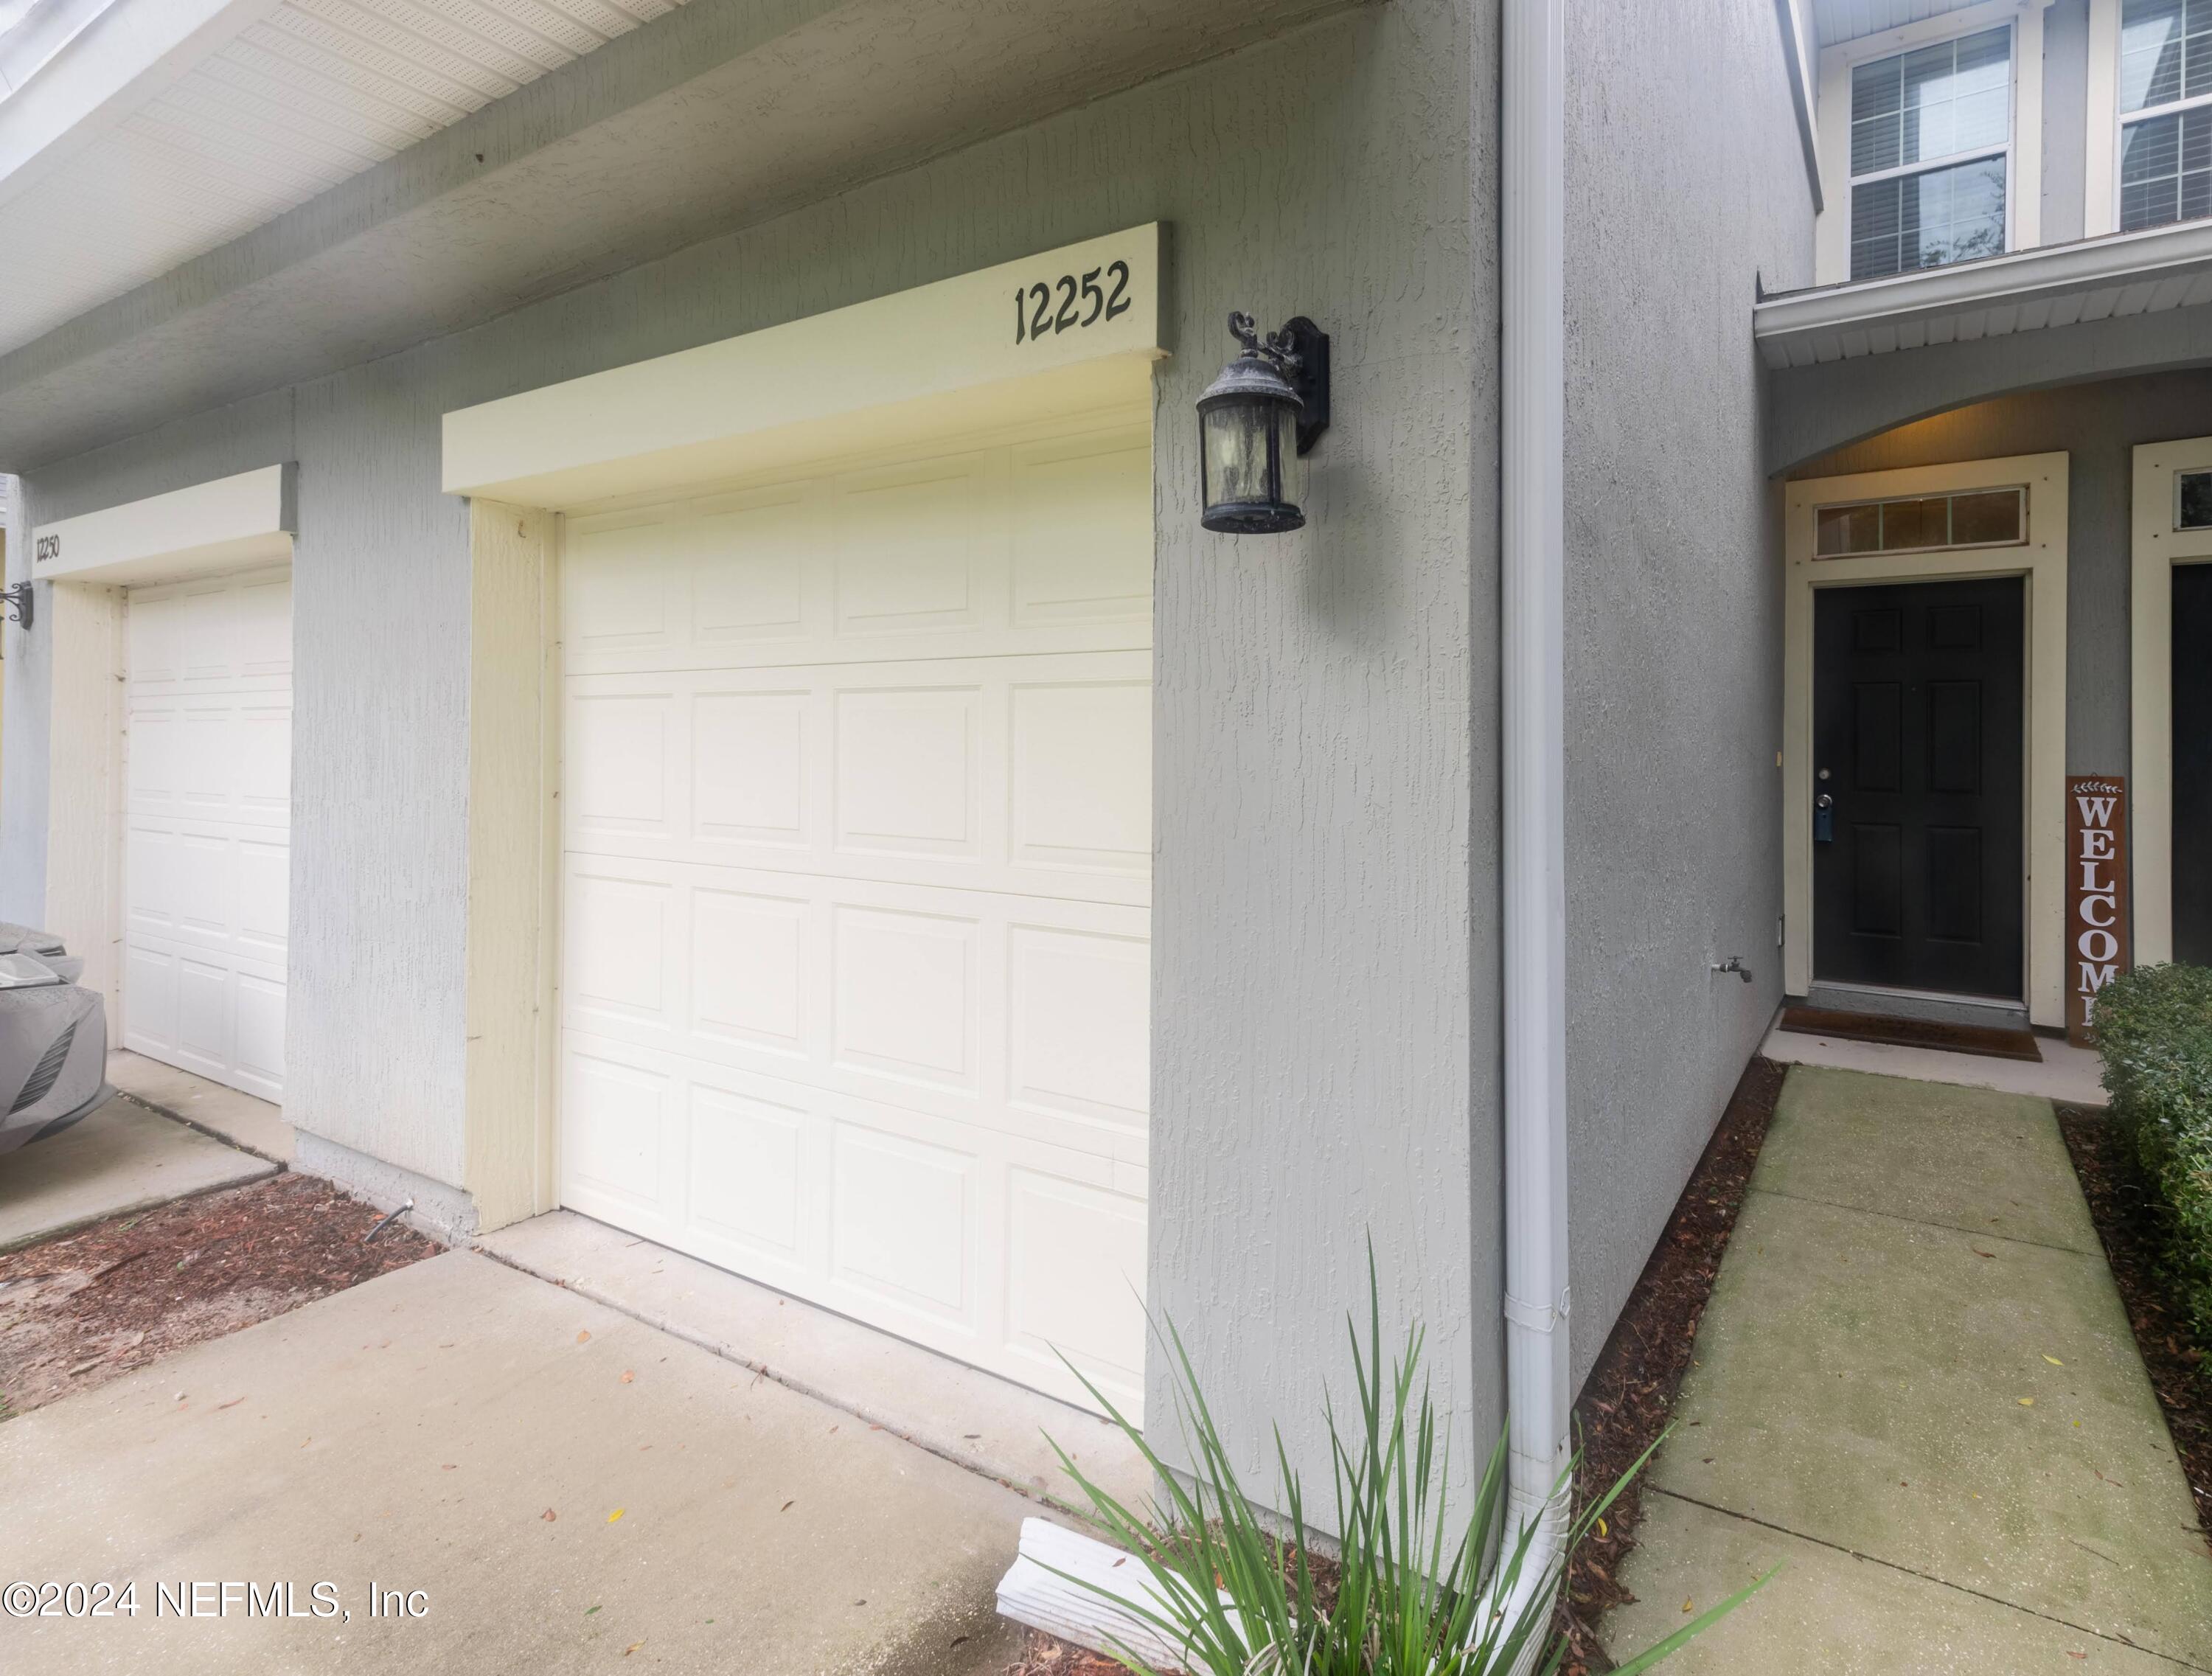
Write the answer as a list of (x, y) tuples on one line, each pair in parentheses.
[(2032, 291)]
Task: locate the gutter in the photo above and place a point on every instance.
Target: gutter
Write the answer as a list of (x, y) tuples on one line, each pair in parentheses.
[(1533, 661)]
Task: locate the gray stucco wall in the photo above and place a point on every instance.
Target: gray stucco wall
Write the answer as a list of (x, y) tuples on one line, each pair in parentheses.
[(1325, 988), (2065, 119), (2099, 425), (1679, 201)]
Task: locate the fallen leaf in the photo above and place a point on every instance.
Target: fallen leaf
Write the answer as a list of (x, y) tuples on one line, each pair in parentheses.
[(632, 1647), (628, 1376), (2071, 1654), (449, 1466), (1689, 1606), (616, 1514), (788, 1505), (2054, 1362), (1978, 1252), (2027, 1402), (549, 1515), (583, 1338), (588, 1611), (1601, 1532), (233, 1403)]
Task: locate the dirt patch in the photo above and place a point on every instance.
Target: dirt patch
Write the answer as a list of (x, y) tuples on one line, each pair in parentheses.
[(1629, 1395), (77, 1311), (2126, 1209)]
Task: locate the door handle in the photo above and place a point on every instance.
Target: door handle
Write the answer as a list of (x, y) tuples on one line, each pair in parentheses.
[(1824, 819)]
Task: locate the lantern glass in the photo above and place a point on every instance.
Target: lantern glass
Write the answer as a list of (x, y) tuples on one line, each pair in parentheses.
[(1251, 473)]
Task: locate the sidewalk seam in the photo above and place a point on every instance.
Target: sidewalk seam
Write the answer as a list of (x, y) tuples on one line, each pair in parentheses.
[(1928, 1577), (1922, 1221)]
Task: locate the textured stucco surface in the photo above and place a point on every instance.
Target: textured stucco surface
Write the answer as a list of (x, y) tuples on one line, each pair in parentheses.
[(1325, 989), (1679, 202), (2099, 425)]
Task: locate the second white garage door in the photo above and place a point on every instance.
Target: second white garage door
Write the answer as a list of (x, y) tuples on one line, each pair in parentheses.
[(858, 824), (207, 846)]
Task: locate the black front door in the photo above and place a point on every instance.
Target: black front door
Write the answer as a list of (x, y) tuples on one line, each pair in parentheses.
[(2192, 764), (1917, 723)]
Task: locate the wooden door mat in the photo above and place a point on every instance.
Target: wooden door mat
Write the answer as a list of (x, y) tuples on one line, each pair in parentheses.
[(1986, 1039)]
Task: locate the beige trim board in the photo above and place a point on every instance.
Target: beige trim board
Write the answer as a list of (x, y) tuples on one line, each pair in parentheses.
[(2157, 546), (955, 355), (513, 769), (209, 528), (2042, 561)]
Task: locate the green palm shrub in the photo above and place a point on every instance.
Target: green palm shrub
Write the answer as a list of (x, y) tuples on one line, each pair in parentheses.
[(1419, 1592), (2155, 1034)]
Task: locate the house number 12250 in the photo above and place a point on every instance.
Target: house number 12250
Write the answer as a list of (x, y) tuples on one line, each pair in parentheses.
[(1042, 309)]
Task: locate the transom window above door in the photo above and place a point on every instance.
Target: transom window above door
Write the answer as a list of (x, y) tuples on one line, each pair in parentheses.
[(2165, 112), (1931, 154)]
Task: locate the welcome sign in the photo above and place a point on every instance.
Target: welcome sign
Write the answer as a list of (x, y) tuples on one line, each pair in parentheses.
[(2096, 895)]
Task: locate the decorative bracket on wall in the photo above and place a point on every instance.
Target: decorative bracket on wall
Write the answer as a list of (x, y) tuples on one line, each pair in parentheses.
[(17, 600)]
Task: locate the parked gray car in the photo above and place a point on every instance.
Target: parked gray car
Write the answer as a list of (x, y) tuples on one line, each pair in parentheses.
[(53, 1038)]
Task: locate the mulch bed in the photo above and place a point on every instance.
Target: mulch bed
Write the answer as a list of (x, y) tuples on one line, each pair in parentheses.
[(2125, 1208), (1629, 1397), (77, 1311)]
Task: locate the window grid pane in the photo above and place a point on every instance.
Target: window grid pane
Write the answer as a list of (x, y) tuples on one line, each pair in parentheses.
[(2193, 501), (1941, 101), (2166, 169), (1972, 518), (2166, 52), (1927, 220)]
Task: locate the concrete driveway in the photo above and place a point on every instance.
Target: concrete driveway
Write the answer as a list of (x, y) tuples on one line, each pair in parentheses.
[(547, 1484)]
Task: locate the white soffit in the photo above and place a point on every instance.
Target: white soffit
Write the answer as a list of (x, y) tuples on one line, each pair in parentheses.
[(957, 355), (170, 127), (225, 525), (1847, 20), (2032, 291)]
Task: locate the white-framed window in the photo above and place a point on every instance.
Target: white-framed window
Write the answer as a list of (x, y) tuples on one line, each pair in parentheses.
[(2165, 112), (1931, 154)]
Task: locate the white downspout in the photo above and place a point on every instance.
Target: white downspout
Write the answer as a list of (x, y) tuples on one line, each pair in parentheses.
[(1532, 632)]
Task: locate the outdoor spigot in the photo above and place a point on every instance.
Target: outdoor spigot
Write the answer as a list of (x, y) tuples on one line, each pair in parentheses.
[(1733, 964)]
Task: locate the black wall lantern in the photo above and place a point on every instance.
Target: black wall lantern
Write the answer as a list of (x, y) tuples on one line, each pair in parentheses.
[(17, 603), (1268, 408)]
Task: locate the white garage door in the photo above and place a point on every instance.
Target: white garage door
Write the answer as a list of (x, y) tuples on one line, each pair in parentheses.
[(207, 749), (858, 778)]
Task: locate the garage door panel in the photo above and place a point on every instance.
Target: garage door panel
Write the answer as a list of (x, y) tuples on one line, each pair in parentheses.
[(973, 773), (1082, 530), (905, 995), (1075, 1282), (619, 956), (856, 991), (954, 1001), (1080, 780), (908, 772), (752, 1161), (614, 1115), (752, 977), (1079, 1040), (618, 750), (750, 756), (902, 1222)]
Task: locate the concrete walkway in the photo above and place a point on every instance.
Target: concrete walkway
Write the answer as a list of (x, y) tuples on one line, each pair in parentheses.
[(570, 1490), (1916, 1391)]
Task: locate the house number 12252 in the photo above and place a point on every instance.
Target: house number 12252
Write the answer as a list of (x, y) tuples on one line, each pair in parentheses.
[(1040, 309)]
